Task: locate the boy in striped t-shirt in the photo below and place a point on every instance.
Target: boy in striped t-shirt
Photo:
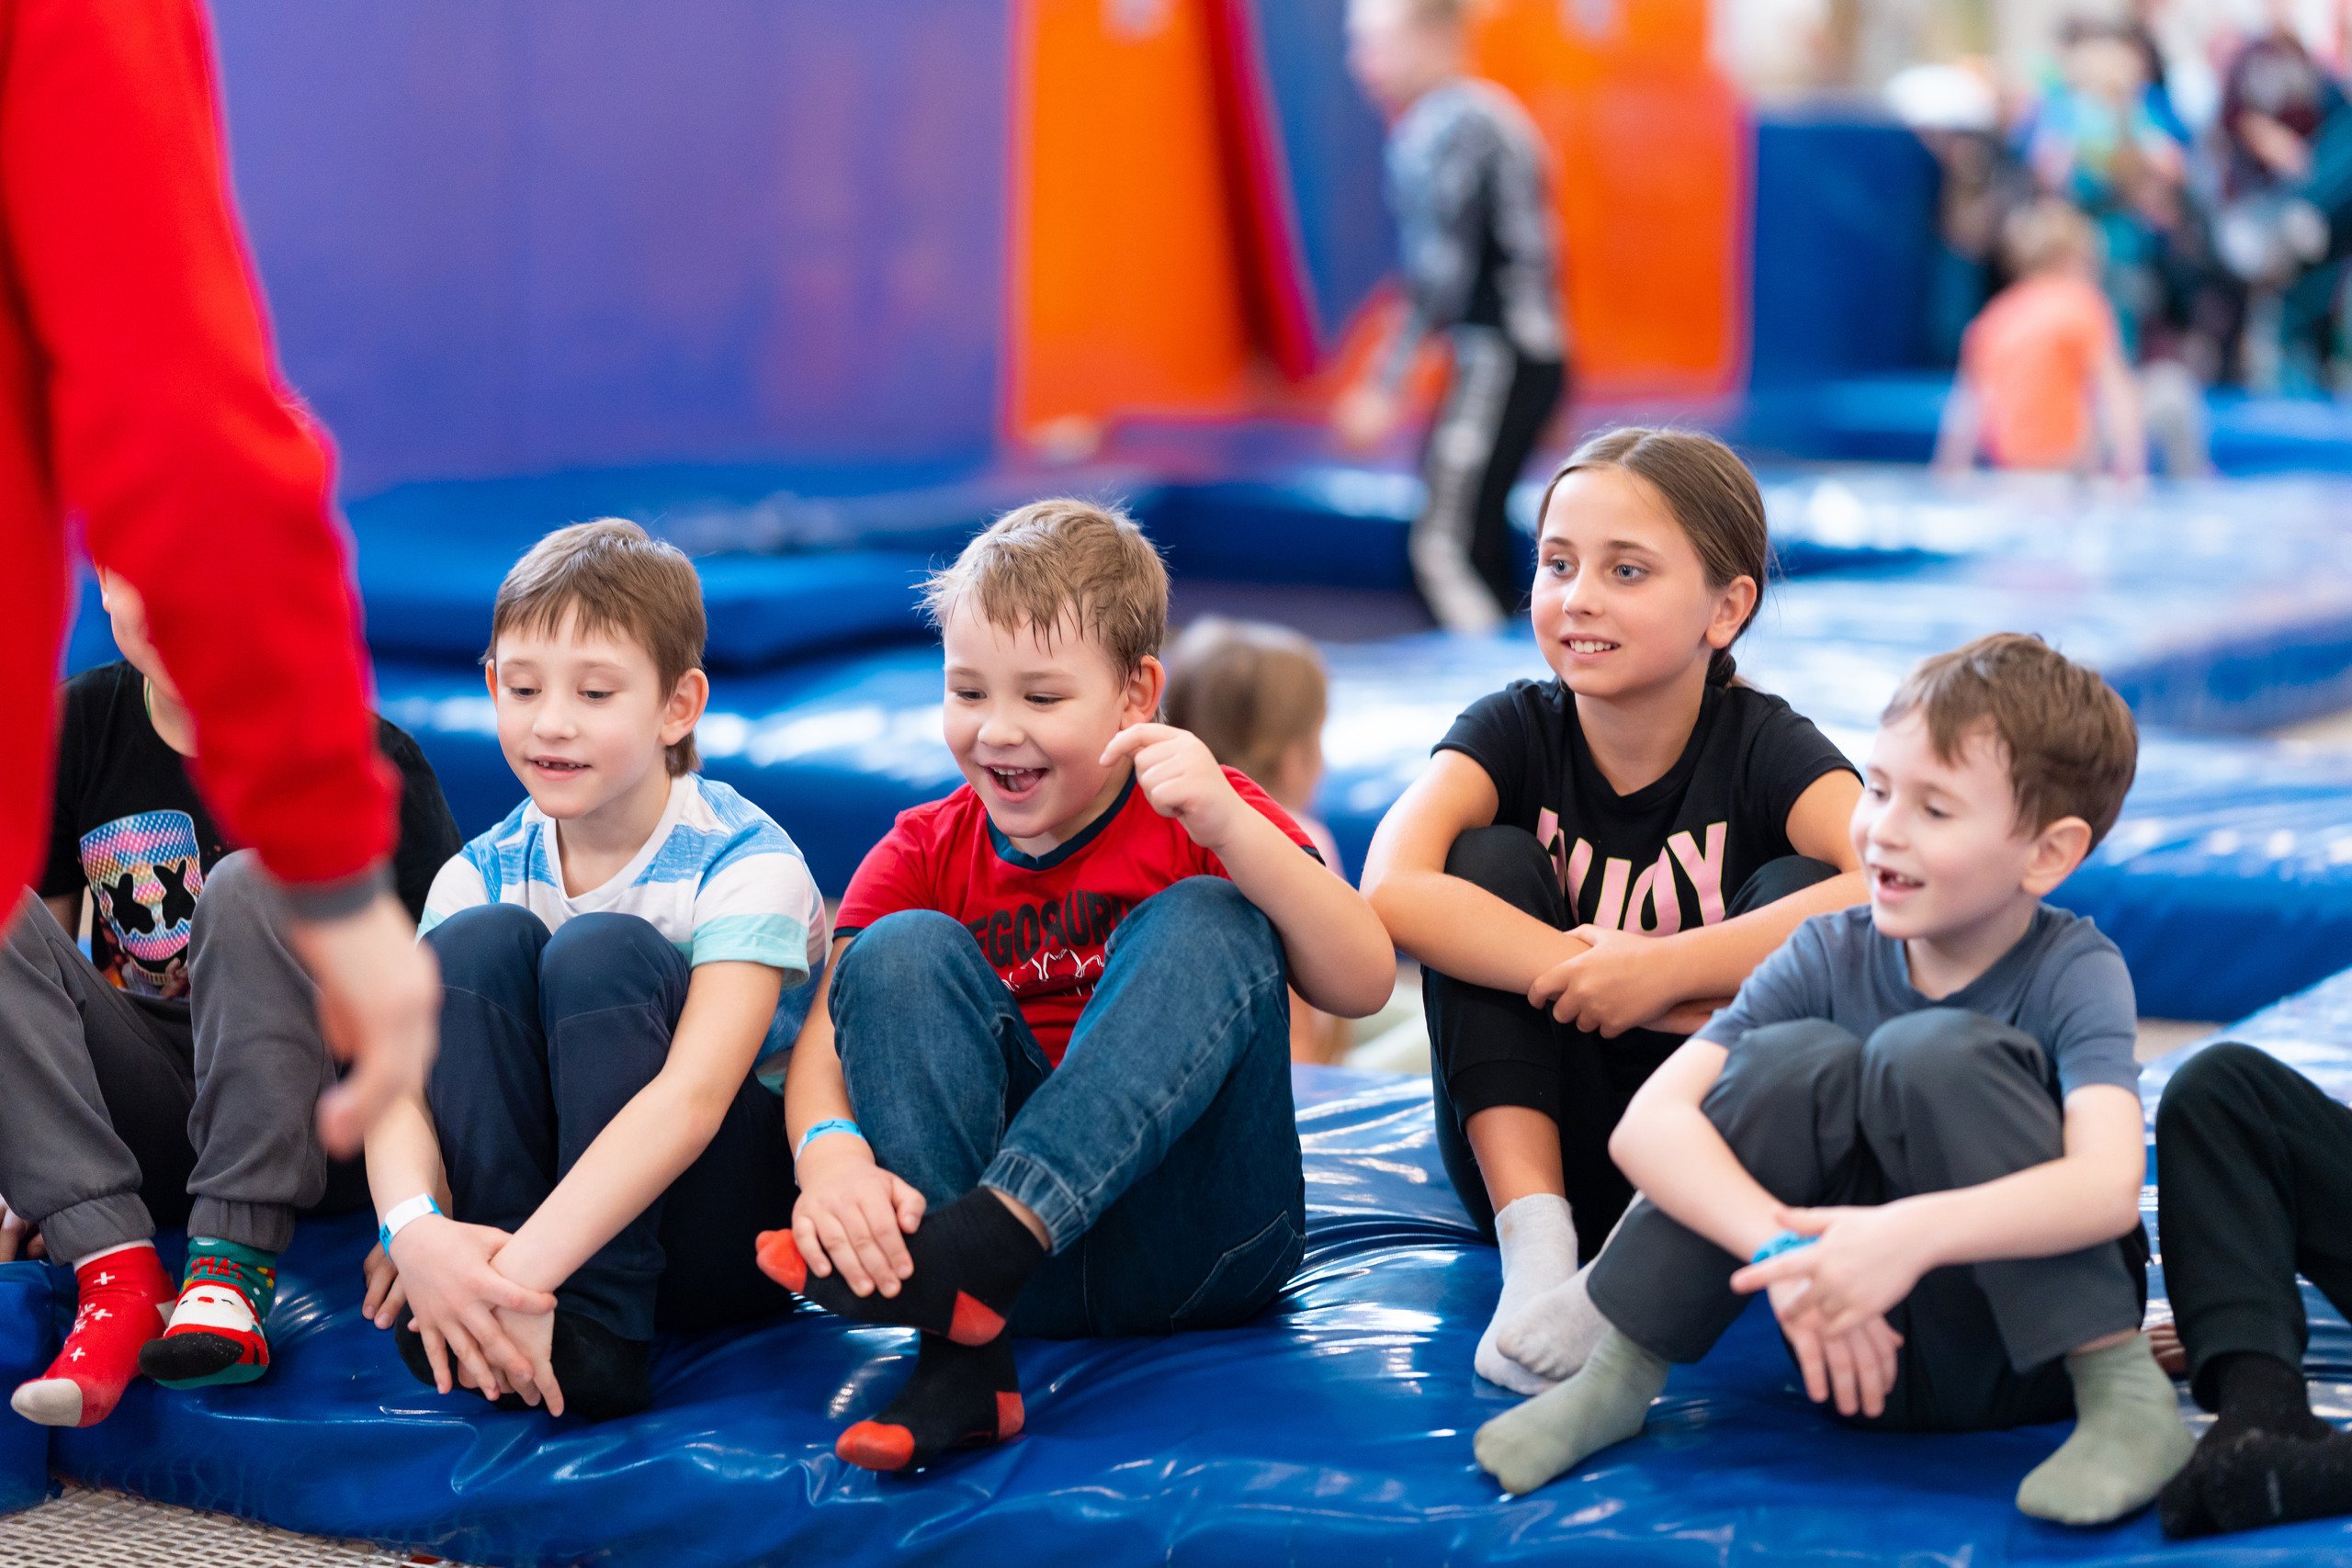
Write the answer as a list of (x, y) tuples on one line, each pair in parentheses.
[(626, 959)]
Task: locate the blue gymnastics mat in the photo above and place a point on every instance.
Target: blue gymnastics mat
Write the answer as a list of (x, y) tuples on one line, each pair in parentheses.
[(1336, 1428)]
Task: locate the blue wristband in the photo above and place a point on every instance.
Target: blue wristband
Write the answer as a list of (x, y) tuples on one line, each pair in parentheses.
[(830, 1124), (1787, 1241)]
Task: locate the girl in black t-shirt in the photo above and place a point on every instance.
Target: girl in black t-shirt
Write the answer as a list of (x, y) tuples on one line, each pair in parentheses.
[(1592, 863)]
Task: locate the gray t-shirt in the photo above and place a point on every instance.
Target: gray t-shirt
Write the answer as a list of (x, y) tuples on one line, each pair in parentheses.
[(2063, 983)]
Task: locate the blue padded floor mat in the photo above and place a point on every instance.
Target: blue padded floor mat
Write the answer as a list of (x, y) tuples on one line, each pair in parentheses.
[(1335, 1430)]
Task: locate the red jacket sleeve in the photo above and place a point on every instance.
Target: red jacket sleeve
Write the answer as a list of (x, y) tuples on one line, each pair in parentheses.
[(197, 476)]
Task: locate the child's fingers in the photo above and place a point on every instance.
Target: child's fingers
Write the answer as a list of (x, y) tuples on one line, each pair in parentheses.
[(878, 1269), (1808, 1345), (889, 1242), (804, 1235), (1838, 1356), (395, 1298), (495, 1346), (550, 1391), (910, 1206), (503, 1291), (437, 1350), (1128, 740), (1804, 1222), (838, 1246), (1772, 1272)]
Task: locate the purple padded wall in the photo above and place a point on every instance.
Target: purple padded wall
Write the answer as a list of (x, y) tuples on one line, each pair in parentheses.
[(503, 237)]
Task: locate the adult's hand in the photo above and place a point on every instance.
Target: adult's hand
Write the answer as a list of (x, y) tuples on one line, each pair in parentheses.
[(380, 1007)]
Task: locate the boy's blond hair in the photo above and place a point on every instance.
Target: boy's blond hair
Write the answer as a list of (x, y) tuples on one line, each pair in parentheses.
[(2047, 234), (610, 578), (1056, 562), (2071, 743), (1249, 689)]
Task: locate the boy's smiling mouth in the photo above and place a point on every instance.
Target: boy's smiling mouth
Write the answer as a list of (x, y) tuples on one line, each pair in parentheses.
[(1015, 783), (1588, 645), (562, 767), (1886, 881)]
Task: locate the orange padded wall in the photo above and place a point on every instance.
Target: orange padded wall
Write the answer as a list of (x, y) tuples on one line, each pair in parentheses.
[(1649, 138), (1126, 295)]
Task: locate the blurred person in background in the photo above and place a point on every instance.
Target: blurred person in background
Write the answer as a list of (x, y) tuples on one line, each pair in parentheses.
[(2276, 298), (1469, 183), (2043, 382), (2099, 144), (1257, 694)]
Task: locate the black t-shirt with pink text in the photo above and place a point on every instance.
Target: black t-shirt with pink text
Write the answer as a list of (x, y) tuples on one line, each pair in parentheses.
[(1674, 853)]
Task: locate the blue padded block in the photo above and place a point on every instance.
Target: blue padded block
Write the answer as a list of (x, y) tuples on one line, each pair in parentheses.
[(1335, 1428), (28, 1339), (1892, 417), (1843, 230)]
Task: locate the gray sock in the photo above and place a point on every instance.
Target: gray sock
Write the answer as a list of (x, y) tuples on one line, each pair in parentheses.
[(2129, 1439), (1602, 1405)]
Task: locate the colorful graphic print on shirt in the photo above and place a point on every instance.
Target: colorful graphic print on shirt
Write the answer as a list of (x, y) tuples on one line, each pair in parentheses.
[(1648, 903), (145, 874)]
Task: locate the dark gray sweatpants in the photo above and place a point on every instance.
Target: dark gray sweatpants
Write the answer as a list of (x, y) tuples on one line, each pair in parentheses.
[(1934, 1100), (115, 1111)]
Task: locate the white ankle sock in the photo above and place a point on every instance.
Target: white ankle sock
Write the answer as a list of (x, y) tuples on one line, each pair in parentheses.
[(1539, 1247)]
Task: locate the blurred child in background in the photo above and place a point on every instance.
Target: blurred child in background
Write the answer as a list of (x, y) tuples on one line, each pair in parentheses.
[(1257, 694), (2043, 382), (1469, 182)]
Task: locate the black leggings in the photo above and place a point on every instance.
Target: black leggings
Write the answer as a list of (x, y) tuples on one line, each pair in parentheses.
[(1490, 1048), (2255, 1186)]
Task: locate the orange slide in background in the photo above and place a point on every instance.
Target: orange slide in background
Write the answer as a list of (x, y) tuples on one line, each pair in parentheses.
[(1132, 288)]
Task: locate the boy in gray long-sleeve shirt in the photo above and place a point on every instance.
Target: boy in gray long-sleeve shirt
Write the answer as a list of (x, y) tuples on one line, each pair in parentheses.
[(1917, 1124), (172, 1076)]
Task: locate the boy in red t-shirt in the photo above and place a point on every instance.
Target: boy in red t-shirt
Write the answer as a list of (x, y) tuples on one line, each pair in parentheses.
[(1059, 1006)]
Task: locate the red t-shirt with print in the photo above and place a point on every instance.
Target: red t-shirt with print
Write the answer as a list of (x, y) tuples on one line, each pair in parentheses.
[(1043, 920)]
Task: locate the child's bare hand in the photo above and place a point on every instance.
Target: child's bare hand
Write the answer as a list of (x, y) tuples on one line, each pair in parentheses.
[(1855, 1369), (854, 1216), (380, 1008), (454, 1295), (1622, 980), (533, 1334), (1863, 1262), (19, 1237), (1180, 778), (385, 1295)]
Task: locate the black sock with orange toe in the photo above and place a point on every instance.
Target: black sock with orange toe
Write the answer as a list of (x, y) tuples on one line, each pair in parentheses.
[(971, 1259), (962, 1396)]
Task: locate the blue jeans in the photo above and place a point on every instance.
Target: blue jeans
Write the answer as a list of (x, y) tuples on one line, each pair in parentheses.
[(544, 1038), (1162, 1155)]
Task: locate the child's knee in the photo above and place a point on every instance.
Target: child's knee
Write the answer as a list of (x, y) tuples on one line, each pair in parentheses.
[(2222, 1078), (485, 946), (1213, 912), (1509, 862), (605, 960), (1783, 1057), (236, 889), (1938, 1050), (901, 951)]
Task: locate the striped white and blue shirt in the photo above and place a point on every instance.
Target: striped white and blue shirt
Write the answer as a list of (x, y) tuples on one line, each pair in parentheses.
[(717, 877)]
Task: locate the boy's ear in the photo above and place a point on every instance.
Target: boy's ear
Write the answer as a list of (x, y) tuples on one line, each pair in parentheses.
[(2057, 851), (490, 677), (1146, 685), (687, 699)]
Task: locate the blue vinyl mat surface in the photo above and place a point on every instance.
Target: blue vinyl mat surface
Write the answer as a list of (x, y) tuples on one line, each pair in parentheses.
[(1337, 1428)]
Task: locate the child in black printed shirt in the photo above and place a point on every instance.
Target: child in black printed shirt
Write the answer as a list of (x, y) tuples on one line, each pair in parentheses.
[(1591, 861), (171, 1077)]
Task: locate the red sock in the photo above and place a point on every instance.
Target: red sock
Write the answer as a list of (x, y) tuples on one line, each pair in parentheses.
[(124, 1295)]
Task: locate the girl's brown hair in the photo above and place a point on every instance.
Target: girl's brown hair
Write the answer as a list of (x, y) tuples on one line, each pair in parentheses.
[(1249, 689), (1709, 493)]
